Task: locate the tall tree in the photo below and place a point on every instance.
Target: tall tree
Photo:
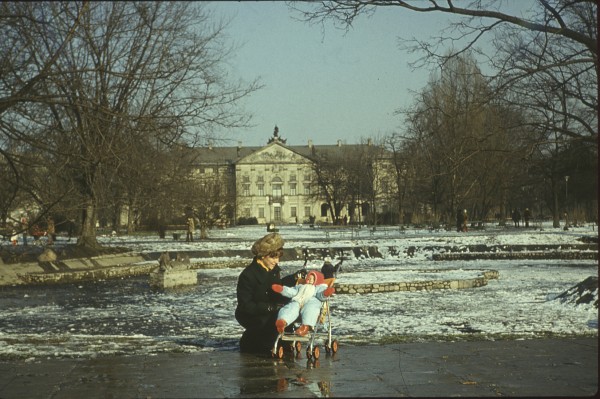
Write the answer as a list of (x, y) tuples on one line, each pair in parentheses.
[(333, 180), (568, 26), (463, 144), (132, 77), (544, 63)]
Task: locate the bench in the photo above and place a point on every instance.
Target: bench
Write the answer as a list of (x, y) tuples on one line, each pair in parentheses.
[(342, 230)]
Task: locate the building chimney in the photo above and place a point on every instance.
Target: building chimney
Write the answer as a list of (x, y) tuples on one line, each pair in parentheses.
[(369, 142), (310, 144), (339, 144)]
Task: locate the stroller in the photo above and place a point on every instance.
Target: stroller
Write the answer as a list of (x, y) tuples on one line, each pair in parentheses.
[(321, 333)]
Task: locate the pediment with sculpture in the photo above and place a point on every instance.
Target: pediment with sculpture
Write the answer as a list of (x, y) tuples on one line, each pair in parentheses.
[(273, 153)]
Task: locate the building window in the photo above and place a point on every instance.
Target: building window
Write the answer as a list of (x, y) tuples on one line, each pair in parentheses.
[(276, 186), (261, 212), (306, 211), (292, 188), (307, 189), (247, 212), (261, 189), (324, 210), (292, 177), (277, 213), (246, 179), (385, 187), (293, 212), (260, 178), (246, 190)]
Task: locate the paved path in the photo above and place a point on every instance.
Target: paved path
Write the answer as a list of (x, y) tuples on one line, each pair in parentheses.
[(541, 367)]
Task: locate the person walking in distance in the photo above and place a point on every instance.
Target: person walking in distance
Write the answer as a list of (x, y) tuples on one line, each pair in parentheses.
[(189, 236)]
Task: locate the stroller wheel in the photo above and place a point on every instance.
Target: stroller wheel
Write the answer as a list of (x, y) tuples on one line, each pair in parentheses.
[(334, 346), (315, 352), (280, 351)]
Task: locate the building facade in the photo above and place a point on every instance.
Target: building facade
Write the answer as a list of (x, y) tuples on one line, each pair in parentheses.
[(276, 183)]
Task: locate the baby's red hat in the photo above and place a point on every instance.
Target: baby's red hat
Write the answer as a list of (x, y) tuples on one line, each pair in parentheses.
[(319, 277)]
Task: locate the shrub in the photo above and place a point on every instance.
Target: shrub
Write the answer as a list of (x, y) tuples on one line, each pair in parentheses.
[(247, 221)]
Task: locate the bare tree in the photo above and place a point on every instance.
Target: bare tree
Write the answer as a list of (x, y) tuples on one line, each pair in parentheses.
[(133, 76), (544, 63), (346, 178), (566, 25), (398, 147), (332, 180), (20, 77), (210, 197), (462, 145)]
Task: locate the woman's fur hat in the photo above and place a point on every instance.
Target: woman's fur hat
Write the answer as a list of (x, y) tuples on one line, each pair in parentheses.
[(267, 245)]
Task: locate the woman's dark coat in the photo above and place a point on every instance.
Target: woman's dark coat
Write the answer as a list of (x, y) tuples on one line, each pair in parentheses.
[(256, 301)]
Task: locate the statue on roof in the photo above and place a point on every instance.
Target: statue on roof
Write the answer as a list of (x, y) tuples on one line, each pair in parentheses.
[(276, 137)]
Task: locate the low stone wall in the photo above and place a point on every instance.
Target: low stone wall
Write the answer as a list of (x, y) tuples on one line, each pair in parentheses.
[(478, 281), (85, 275), (517, 255), (80, 269), (171, 278), (223, 264)]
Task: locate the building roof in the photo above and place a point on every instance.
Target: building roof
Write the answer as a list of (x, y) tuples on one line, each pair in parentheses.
[(232, 154)]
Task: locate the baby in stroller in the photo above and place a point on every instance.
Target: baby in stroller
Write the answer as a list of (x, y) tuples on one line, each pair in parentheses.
[(305, 301)]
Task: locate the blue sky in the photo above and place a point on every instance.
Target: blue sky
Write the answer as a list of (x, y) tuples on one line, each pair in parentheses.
[(324, 85)]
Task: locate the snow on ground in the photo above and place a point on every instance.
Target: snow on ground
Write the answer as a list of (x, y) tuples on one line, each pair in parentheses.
[(125, 316)]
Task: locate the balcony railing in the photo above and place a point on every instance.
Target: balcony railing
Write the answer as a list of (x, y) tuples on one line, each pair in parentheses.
[(280, 199)]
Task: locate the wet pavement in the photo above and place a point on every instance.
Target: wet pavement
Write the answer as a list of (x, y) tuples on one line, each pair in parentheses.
[(539, 367)]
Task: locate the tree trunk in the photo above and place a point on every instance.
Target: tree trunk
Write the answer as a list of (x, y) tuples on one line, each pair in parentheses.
[(131, 218), (555, 211), (203, 232), (88, 227)]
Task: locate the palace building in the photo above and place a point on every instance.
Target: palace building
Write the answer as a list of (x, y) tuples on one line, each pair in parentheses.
[(278, 183)]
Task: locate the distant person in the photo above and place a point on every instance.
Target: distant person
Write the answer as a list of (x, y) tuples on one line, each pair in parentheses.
[(50, 230), (465, 221), (305, 302), (24, 227), (516, 217), (70, 228), (527, 216), (189, 236), (328, 269), (14, 238), (459, 220)]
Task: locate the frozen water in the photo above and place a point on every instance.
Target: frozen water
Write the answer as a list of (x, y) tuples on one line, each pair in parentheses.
[(125, 316)]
